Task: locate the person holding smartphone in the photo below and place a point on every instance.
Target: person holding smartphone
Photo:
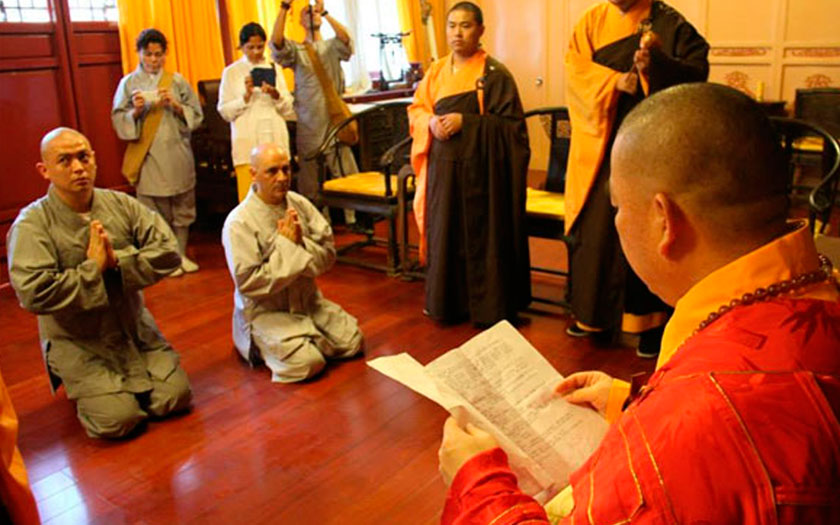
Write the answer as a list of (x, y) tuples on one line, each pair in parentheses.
[(155, 111), (254, 98)]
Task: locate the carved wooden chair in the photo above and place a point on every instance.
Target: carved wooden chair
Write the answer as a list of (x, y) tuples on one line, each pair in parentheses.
[(380, 187), (546, 208)]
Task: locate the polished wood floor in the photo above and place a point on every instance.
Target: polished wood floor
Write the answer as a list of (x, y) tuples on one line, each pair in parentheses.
[(351, 447)]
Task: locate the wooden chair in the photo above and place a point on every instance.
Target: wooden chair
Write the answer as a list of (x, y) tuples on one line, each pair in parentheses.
[(215, 188), (383, 132), (820, 106), (545, 208), (805, 140), (808, 144)]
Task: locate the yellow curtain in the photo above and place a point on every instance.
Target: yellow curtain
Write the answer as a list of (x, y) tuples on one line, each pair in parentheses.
[(439, 8), (191, 28), (417, 43), (264, 12)]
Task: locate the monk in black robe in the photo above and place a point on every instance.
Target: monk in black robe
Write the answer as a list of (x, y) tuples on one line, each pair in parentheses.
[(470, 154)]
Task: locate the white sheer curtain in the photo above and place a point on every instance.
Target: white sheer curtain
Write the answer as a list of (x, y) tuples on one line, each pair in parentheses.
[(348, 12)]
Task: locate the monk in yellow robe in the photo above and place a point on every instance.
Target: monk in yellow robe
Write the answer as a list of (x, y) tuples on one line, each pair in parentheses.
[(18, 505), (620, 52)]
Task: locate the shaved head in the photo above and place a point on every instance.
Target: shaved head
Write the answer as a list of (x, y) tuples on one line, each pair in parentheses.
[(69, 164), (698, 179), (57, 133), (263, 151), (271, 173), (712, 148)]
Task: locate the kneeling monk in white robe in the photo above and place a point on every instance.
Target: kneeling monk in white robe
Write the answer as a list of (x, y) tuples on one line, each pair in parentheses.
[(276, 243), (79, 258)]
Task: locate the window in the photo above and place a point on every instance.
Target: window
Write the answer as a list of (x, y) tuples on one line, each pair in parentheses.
[(93, 10), (24, 11), (363, 19), (39, 10)]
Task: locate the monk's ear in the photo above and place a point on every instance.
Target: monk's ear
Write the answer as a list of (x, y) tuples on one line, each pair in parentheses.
[(668, 220), (42, 169)]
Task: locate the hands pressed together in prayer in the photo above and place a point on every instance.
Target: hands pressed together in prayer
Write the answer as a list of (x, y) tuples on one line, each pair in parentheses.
[(444, 126), (99, 248), (459, 445), (165, 99), (289, 227)]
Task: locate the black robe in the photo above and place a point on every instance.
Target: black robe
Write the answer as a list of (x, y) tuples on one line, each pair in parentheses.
[(602, 285), (478, 265)]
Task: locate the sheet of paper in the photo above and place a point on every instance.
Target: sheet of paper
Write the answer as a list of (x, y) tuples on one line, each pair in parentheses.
[(405, 369), (506, 387)]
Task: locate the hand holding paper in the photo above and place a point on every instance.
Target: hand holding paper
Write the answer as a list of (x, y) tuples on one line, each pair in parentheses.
[(459, 445), (498, 382)]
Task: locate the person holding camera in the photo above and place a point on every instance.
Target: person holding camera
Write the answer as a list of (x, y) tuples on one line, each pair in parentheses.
[(254, 98)]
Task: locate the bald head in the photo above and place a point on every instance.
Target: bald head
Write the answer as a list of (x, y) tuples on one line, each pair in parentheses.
[(260, 153), (60, 133), (713, 149), (271, 172)]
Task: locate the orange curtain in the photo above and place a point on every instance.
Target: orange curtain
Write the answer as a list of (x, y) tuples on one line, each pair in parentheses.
[(425, 43), (264, 12), (417, 43), (439, 8), (191, 28)]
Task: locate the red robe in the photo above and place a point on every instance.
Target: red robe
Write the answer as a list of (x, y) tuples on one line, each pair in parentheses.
[(740, 426)]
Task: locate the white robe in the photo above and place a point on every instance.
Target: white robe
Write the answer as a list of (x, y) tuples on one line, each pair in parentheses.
[(276, 301), (261, 119)]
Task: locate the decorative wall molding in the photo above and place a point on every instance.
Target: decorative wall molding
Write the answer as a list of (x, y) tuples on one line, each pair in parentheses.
[(813, 52), (740, 81), (818, 81), (739, 51)]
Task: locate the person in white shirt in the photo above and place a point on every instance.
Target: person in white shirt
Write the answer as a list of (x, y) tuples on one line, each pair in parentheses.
[(257, 113)]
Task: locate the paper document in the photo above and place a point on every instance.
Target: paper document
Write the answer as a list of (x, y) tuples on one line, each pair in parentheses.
[(500, 383)]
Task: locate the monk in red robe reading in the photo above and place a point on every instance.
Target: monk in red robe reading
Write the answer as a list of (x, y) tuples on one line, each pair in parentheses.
[(739, 423)]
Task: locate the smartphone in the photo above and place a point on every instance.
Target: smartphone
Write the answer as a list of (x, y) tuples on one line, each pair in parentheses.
[(264, 74), (150, 96)]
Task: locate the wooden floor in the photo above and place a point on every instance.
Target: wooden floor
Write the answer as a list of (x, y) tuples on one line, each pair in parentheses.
[(352, 447)]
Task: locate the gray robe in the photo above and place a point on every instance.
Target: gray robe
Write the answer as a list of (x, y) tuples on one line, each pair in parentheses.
[(276, 301), (169, 167), (87, 319), (311, 107)]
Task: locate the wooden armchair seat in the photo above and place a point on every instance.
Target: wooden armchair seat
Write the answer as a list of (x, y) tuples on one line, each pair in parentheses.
[(370, 183), (546, 204)]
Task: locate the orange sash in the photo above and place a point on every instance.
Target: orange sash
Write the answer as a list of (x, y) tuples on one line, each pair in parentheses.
[(336, 107), (136, 151)]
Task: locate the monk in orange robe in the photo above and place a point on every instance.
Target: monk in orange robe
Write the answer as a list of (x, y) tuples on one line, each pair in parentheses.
[(18, 505), (739, 423), (620, 52), (470, 155)]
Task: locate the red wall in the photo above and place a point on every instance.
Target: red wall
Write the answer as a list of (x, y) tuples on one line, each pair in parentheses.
[(56, 74)]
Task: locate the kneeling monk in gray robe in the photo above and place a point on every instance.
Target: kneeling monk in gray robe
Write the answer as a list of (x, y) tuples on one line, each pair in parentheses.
[(276, 243), (79, 257)]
